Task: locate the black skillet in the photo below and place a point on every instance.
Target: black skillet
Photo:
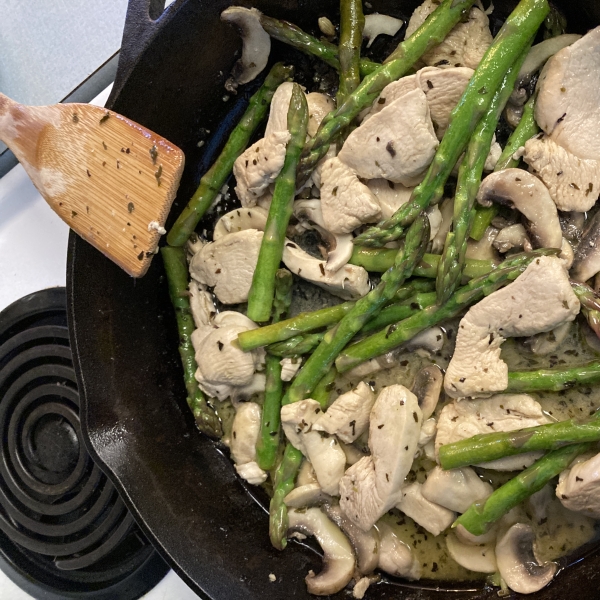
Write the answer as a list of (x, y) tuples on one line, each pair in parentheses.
[(179, 485)]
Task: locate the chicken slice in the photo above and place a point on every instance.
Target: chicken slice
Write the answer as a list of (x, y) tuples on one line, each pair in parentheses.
[(539, 300), (567, 107), (573, 182), (578, 488), (504, 412), (318, 106), (373, 485), (323, 450), (228, 264), (442, 87), (464, 46), (397, 143), (346, 202), (244, 435), (257, 167), (278, 110), (390, 196), (432, 517), (455, 489), (201, 304), (289, 367), (348, 415)]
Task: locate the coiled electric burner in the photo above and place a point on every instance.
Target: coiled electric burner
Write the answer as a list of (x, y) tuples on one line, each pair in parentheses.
[(64, 529)]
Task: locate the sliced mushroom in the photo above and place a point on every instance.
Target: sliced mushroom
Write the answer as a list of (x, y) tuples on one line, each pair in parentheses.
[(365, 543), (256, 45), (306, 474), (545, 343), (466, 537), (572, 224), (587, 256), (517, 563), (524, 192), (338, 246), (427, 387), (376, 24), (512, 237), (395, 556), (201, 304), (483, 249), (310, 494), (338, 558), (481, 559), (240, 219), (428, 342)]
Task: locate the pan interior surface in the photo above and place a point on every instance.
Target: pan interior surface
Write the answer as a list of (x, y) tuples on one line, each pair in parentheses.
[(180, 485)]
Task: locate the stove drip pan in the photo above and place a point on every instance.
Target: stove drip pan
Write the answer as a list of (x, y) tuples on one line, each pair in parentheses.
[(64, 530)]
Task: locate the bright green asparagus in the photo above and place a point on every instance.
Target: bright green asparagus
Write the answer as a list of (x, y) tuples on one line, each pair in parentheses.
[(515, 35), (318, 319), (479, 516), (260, 298), (525, 130), (399, 333), (431, 33), (290, 34), (486, 447), (177, 279), (296, 346), (469, 178), (590, 304), (323, 389), (268, 440), (366, 308), (282, 486), (352, 23), (553, 380), (212, 181)]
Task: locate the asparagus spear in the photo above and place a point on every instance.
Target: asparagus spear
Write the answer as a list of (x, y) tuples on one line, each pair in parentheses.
[(323, 389), (469, 179), (268, 441), (479, 516), (553, 380), (296, 346), (486, 447), (364, 309), (282, 486), (590, 304), (352, 23), (290, 34), (379, 260), (212, 181), (399, 333), (516, 33), (304, 322), (177, 279), (525, 130), (260, 298), (431, 33)]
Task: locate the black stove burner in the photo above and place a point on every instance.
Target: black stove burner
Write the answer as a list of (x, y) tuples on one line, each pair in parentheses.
[(64, 530)]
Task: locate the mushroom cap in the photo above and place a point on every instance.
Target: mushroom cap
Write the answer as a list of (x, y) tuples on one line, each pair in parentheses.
[(481, 558), (427, 387), (376, 24), (517, 563), (338, 558), (310, 494), (587, 256)]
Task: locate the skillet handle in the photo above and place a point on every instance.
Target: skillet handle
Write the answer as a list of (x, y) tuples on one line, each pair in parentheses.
[(143, 21)]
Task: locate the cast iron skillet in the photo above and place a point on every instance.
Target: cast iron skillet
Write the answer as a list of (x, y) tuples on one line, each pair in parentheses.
[(179, 485)]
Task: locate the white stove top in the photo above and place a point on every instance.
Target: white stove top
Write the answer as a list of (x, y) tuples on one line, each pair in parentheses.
[(33, 252)]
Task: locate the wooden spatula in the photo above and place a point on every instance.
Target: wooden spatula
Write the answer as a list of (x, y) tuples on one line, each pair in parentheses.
[(110, 179)]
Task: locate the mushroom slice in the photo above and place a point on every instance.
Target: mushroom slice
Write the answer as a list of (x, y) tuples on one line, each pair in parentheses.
[(524, 192), (545, 343), (398, 143), (240, 219), (302, 496), (201, 304), (366, 544), (539, 300), (513, 237), (455, 489), (427, 342), (466, 537), (427, 387), (376, 24), (587, 256), (338, 558), (395, 556), (339, 246), (481, 559), (427, 514), (348, 415), (306, 474), (578, 487), (256, 45), (517, 563), (391, 196), (349, 282), (483, 249)]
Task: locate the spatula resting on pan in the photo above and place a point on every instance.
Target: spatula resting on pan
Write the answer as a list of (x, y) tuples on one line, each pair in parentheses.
[(110, 179)]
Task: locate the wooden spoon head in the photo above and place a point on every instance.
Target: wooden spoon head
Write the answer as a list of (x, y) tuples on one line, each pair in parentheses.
[(110, 179)]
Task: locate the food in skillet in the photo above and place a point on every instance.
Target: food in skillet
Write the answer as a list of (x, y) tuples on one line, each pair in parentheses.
[(436, 416)]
